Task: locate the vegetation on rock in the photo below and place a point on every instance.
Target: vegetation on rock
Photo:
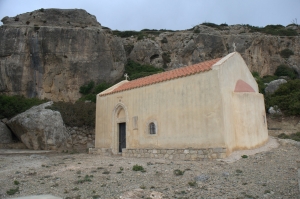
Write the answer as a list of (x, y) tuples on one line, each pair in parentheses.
[(259, 81), (139, 34), (284, 70), (273, 30), (136, 70), (287, 98), (13, 105), (78, 114), (89, 91), (286, 53), (278, 30)]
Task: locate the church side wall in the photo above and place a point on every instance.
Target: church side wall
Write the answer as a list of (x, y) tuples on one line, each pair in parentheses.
[(187, 112), (230, 71), (251, 122)]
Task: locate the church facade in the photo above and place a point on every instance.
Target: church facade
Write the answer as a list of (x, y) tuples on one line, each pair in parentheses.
[(202, 111)]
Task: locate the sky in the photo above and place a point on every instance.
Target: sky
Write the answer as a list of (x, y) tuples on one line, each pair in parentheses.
[(168, 14)]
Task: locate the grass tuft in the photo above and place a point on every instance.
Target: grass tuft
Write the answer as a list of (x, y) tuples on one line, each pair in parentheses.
[(178, 172)]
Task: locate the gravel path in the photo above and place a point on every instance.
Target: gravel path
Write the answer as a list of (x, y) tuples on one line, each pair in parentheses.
[(269, 173)]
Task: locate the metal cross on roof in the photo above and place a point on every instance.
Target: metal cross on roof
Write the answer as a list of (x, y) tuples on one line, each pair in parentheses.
[(126, 76)]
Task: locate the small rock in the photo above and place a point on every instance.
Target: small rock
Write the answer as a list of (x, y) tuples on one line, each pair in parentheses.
[(156, 195), (201, 178), (274, 110)]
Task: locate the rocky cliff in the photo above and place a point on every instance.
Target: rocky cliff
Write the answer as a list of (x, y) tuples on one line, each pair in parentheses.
[(260, 51), (51, 53)]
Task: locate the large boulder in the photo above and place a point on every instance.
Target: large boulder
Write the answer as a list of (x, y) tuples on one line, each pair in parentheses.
[(40, 128), (5, 134), (274, 85)]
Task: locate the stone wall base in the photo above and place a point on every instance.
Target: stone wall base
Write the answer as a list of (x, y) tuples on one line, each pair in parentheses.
[(170, 154), (100, 151), (176, 154)]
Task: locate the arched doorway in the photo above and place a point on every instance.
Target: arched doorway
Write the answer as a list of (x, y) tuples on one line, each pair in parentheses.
[(120, 130)]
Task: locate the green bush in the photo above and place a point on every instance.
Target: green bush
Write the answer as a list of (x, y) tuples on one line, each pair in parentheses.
[(78, 114), (136, 70), (140, 37), (269, 78), (139, 34), (213, 25), (178, 172), (284, 70), (259, 81), (164, 40), (13, 105), (193, 183), (86, 89), (273, 30), (12, 191), (16, 182), (293, 136), (101, 87), (287, 98), (166, 58), (223, 24), (90, 91), (196, 31), (138, 168), (283, 136), (286, 53), (125, 34)]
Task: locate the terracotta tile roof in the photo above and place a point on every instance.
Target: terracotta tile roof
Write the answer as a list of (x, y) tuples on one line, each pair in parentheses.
[(165, 76)]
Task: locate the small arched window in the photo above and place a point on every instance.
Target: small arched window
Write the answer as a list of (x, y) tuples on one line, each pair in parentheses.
[(152, 128)]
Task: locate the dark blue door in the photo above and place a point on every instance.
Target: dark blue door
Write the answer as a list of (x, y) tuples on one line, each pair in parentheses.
[(122, 136)]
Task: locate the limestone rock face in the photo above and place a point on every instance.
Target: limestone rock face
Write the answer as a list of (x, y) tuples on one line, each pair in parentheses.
[(5, 134), (148, 52), (261, 52), (40, 128), (53, 59), (274, 85), (54, 17)]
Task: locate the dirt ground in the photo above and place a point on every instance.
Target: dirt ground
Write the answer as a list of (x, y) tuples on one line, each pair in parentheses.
[(283, 124), (267, 172)]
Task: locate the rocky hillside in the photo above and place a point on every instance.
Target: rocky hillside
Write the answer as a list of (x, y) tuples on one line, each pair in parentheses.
[(262, 52), (50, 53)]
